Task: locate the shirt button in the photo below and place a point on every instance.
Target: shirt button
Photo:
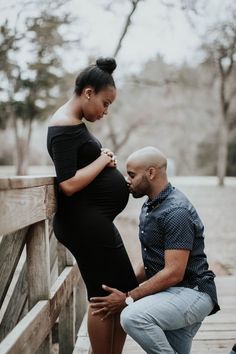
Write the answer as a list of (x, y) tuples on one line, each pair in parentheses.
[(145, 267), (142, 231), (147, 214), (145, 249)]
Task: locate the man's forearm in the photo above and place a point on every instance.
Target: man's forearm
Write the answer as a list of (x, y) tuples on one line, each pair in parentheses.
[(161, 281)]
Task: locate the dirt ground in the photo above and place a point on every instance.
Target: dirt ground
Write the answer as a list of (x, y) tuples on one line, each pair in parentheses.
[(217, 209)]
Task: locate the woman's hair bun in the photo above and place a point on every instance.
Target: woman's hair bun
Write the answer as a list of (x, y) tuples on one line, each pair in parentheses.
[(106, 64)]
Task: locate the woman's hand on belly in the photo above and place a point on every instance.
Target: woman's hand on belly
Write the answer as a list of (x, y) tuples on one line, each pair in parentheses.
[(108, 152)]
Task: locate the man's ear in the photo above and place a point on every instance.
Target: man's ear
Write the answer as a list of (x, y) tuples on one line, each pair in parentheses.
[(151, 173)]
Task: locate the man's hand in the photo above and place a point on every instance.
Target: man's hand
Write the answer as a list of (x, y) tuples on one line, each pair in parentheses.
[(108, 305)]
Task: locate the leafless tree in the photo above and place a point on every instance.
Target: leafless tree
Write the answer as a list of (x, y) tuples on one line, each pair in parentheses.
[(222, 51), (116, 141)]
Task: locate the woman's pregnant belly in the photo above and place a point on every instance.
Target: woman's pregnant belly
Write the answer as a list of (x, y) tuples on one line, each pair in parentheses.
[(109, 192)]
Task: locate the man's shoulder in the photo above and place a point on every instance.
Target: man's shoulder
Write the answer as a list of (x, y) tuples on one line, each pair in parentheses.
[(178, 199)]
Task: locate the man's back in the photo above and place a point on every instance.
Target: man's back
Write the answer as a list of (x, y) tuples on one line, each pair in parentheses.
[(170, 221)]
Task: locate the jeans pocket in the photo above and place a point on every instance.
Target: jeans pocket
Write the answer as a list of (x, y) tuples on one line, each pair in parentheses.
[(199, 309)]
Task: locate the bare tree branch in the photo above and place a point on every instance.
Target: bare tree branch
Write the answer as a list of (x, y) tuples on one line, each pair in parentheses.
[(112, 134), (127, 24), (129, 131), (232, 94), (117, 145)]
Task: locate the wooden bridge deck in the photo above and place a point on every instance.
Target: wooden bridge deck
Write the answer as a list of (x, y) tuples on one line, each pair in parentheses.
[(216, 335), (40, 282)]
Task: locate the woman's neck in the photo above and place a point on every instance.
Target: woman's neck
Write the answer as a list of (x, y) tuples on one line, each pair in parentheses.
[(73, 108)]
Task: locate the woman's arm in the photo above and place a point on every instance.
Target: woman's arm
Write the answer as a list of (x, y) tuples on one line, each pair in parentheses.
[(86, 175)]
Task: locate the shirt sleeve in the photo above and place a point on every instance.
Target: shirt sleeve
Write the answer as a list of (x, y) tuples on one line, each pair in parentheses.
[(179, 229), (64, 155)]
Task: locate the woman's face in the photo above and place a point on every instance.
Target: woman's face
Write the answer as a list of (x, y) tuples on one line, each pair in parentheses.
[(96, 104)]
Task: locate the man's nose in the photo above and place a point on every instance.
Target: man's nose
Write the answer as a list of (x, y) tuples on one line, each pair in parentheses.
[(127, 179)]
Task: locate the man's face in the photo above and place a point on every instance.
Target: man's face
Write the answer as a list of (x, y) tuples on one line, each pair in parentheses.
[(137, 180)]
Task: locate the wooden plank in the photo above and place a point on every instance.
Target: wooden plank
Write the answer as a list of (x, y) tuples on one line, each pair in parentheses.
[(53, 259), (228, 301), (21, 208), (212, 347), (54, 273), (38, 270), (30, 332), (25, 181), (82, 345), (16, 304), (4, 183), (131, 347), (65, 258), (212, 335), (81, 303), (11, 248), (46, 346), (67, 326), (50, 201), (27, 336), (226, 285), (221, 317), (38, 264), (214, 326), (62, 288)]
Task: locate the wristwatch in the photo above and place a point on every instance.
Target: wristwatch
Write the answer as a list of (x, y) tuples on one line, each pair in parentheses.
[(129, 300)]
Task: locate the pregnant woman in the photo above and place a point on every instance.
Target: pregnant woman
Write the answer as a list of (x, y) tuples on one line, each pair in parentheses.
[(91, 192)]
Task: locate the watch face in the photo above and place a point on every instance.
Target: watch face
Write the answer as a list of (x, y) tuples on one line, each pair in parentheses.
[(129, 300)]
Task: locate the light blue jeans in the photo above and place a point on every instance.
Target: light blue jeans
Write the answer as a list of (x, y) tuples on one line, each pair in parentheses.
[(166, 322)]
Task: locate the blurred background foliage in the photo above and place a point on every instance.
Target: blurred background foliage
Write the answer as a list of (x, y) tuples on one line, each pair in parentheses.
[(188, 111)]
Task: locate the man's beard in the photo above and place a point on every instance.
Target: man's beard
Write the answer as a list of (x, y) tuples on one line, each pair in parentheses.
[(137, 195)]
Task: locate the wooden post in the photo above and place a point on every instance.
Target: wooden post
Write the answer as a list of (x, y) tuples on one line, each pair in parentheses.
[(66, 328), (16, 304), (38, 267), (81, 303), (10, 251)]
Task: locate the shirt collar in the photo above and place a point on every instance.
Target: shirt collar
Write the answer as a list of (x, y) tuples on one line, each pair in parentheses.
[(152, 203)]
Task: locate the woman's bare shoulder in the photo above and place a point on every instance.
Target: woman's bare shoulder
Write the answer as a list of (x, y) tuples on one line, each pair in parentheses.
[(58, 121), (59, 118)]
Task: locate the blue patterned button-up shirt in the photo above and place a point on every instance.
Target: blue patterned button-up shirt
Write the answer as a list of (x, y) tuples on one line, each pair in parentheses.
[(170, 221)]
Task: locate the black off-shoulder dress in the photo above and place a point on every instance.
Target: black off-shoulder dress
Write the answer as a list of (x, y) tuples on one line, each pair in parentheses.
[(84, 221)]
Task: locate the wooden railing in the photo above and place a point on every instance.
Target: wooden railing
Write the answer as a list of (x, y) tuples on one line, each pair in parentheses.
[(42, 295)]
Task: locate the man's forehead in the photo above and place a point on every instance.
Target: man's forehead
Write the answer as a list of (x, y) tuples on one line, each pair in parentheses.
[(134, 165)]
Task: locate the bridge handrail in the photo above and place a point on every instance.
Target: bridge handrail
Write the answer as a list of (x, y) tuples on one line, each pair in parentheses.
[(39, 279)]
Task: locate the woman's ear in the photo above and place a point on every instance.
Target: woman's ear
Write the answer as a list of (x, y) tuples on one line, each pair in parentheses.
[(88, 92)]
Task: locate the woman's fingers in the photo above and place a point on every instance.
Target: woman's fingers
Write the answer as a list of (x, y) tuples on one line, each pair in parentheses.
[(107, 151)]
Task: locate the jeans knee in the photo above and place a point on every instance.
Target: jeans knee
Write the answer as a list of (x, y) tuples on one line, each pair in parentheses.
[(126, 319)]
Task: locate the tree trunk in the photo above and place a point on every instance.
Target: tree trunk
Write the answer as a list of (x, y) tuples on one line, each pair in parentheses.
[(22, 157), (222, 153), (112, 132), (22, 141)]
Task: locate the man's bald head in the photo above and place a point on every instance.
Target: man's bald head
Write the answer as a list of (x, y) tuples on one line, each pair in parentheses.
[(148, 157), (146, 169)]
